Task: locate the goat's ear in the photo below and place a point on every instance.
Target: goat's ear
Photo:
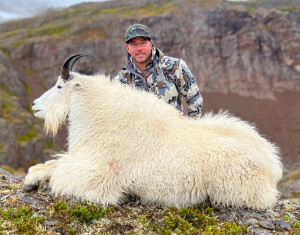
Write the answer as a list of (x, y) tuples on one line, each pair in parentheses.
[(77, 85)]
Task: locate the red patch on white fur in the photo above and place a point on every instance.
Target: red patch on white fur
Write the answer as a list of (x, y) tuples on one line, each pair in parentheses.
[(112, 167)]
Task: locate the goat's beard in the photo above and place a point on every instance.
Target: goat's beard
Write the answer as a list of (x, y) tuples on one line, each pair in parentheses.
[(53, 122)]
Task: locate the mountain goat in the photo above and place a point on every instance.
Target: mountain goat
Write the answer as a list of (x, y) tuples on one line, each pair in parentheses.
[(123, 140)]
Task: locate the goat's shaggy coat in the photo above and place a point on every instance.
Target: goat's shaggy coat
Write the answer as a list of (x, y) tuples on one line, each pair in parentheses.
[(122, 140)]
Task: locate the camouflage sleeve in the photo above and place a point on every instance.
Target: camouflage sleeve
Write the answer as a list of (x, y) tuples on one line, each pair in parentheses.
[(120, 77), (190, 90)]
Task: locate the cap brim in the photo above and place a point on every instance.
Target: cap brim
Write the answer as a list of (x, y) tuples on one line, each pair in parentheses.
[(137, 36)]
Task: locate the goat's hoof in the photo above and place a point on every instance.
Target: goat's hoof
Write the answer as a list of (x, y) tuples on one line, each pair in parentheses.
[(31, 187)]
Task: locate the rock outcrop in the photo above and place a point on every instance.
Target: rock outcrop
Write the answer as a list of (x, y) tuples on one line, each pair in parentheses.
[(21, 140)]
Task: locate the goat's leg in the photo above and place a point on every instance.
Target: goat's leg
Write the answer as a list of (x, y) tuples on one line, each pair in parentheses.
[(37, 174), (84, 179)]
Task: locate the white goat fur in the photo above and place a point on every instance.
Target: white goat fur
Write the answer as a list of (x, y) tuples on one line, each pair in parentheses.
[(122, 140)]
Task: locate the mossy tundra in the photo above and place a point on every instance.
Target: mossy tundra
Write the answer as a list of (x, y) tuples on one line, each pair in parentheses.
[(70, 219)]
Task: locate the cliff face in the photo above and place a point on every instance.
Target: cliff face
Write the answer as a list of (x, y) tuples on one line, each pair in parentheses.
[(244, 60), (228, 50), (21, 139)]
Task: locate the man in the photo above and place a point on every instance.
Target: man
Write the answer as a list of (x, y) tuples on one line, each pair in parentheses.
[(149, 69)]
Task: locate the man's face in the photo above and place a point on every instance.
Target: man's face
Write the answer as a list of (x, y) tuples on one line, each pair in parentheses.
[(140, 50)]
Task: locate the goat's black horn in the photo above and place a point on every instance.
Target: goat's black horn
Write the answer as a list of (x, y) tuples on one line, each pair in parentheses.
[(67, 67)]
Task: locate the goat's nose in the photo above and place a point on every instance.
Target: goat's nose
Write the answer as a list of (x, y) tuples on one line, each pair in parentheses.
[(33, 103)]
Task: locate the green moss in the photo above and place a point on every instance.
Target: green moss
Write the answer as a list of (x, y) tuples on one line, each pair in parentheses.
[(48, 30), (196, 219), (33, 162), (31, 133), (295, 195), (4, 50), (2, 149), (60, 207), (297, 225), (83, 212), (286, 218), (71, 13), (18, 43), (251, 10), (148, 9), (71, 231), (48, 145), (5, 89), (28, 71), (6, 108), (148, 5), (295, 176), (12, 33), (8, 169), (289, 9), (21, 219), (87, 214), (111, 10)]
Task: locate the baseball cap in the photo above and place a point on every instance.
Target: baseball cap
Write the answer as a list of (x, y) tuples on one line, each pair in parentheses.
[(136, 30)]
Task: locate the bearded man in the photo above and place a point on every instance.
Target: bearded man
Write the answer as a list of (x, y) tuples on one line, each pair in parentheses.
[(149, 69)]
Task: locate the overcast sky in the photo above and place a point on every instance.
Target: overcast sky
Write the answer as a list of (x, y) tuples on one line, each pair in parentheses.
[(16, 9)]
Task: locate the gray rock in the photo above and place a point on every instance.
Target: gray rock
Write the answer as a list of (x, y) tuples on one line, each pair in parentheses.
[(257, 231), (281, 224), (268, 224)]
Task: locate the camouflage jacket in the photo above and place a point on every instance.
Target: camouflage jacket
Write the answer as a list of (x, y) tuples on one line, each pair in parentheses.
[(169, 78)]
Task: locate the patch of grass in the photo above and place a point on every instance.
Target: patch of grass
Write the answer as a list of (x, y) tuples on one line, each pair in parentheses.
[(18, 43), (148, 9), (28, 90), (8, 169), (111, 10), (31, 133), (295, 176), (12, 33), (29, 72), (287, 219), (5, 51), (2, 147), (5, 89), (21, 219), (90, 34), (6, 108), (289, 9), (48, 30), (195, 220), (83, 212), (71, 13), (87, 214), (24, 219), (296, 195), (251, 10), (48, 145)]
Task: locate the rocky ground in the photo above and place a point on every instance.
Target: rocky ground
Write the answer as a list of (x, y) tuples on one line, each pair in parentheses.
[(40, 213)]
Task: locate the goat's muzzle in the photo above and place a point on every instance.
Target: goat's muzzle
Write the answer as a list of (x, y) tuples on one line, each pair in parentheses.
[(67, 67)]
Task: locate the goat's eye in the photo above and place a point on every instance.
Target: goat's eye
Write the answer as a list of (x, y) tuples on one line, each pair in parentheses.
[(59, 86)]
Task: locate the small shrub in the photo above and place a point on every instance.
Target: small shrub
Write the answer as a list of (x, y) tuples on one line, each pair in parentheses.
[(87, 214), (21, 218), (83, 212)]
